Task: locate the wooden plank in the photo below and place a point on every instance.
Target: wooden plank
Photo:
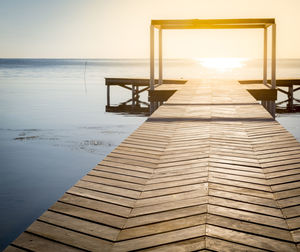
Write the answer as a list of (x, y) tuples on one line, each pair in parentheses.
[(130, 161), (254, 180), (89, 215), (235, 158), (69, 237), (133, 152), (181, 174), (296, 235), (128, 169), (182, 167), (290, 212), (289, 202), (112, 182), (133, 194), (248, 227), (95, 205), (117, 176), (164, 216), (234, 162), (159, 239), (132, 157), (169, 159), (173, 190), (242, 184), (287, 194), (245, 206), (283, 171), (249, 240), (248, 216), (172, 197), (243, 198), (294, 223), (279, 158), (186, 161), (187, 245), (285, 186), (106, 197), (11, 248), (237, 167), (250, 174), (241, 190), (192, 181), (169, 206), (162, 227), (138, 151), (33, 242), (79, 225), (281, 162), (285, 179), (214, 244)]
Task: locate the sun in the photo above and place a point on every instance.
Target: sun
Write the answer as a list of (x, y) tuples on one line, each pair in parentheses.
[(222, 64)]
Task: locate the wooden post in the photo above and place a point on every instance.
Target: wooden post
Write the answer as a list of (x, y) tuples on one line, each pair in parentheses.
[(265, 73), (137, 96), (151, 65), (273, 82), (273, 56), (132, 95), (108, 95), (290, 105), (160, 80), (152, 57)]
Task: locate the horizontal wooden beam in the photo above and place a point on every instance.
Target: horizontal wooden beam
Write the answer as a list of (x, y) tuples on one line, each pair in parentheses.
[(138, 82), (178, 27), (279, 82), (213, 21), (127, 108)]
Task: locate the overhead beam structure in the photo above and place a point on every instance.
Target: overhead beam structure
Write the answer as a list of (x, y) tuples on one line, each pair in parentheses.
[(249, 23)]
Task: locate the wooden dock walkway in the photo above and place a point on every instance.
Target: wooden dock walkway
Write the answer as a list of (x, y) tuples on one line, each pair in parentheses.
[(209, 170)]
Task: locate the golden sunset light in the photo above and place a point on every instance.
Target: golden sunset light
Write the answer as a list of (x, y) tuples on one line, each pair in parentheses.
[(222, 64), (149, 125)]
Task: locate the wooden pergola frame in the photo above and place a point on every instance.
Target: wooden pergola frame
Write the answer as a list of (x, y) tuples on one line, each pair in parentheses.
[(251, 23)]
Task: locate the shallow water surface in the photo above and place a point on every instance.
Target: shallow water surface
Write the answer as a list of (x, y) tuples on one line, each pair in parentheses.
[(54, 127)]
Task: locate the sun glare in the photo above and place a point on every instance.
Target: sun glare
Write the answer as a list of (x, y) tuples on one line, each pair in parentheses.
[(222, 64)]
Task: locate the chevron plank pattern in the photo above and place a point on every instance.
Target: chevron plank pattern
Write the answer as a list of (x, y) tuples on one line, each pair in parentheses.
[(210, 170)]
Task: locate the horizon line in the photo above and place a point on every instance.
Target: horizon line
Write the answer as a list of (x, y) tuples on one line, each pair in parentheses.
[(139, 58)]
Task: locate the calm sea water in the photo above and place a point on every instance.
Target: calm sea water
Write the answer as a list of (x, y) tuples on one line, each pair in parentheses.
[(54, 127)]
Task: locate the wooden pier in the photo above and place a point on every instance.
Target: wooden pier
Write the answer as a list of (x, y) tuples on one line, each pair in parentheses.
[(136, 86), (261, 92), (292, 86), (209, 170)]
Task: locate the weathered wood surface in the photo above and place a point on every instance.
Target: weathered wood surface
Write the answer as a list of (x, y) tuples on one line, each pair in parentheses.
[(139, 81), (279, 82), (209, 170)]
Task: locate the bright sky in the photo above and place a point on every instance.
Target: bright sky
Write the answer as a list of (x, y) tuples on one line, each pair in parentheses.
[(120, 28)]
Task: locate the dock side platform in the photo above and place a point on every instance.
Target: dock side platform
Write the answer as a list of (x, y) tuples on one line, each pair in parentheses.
[(210, 169)]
